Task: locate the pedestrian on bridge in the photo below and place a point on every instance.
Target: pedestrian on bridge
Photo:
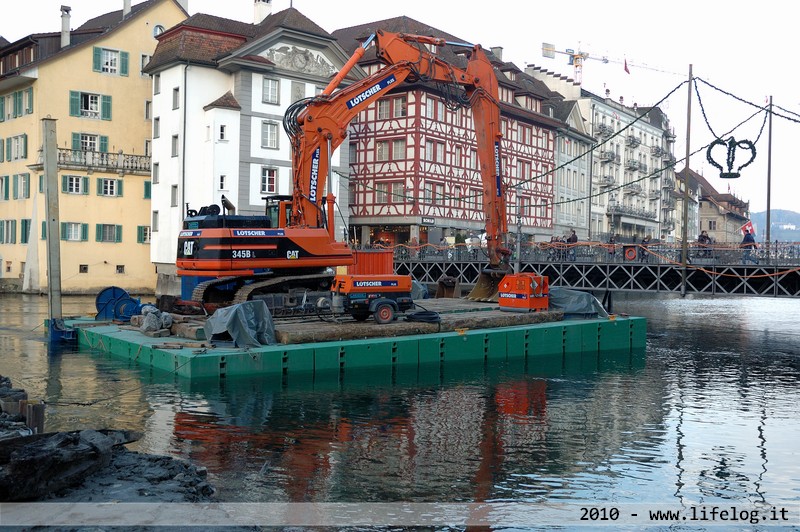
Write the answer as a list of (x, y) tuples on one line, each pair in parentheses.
[(749, 245)]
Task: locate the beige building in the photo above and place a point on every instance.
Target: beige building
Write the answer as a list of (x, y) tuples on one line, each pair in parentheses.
[(90, 81)]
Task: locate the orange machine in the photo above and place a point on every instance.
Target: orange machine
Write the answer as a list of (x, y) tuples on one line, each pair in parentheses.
[(381, 296), (524, 292), (231, 258)]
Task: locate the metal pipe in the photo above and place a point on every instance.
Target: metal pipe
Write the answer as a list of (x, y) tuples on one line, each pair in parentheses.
[(685, 228)]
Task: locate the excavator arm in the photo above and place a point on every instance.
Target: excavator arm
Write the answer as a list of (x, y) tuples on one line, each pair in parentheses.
[(318, 125)]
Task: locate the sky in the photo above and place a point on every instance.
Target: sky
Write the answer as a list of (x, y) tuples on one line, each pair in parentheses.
[(735, 50)]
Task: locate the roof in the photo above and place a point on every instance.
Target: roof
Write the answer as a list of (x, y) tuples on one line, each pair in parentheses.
[(226, 101), (205, 39), (109, 20)]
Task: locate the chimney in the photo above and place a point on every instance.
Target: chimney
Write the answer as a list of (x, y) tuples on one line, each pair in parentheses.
[(126, 8), (65, 26), (498, 52), (261, 10), (622, 100)]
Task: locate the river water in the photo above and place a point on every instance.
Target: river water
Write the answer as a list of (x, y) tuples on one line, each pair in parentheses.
[(708, 416)]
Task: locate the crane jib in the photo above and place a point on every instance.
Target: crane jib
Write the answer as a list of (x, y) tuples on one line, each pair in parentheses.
[(312, 184), (371, 91)]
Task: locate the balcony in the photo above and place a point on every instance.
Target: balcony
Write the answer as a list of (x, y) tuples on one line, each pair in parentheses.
[(79, 160), (633, 188), (668, 158), (642, 167), (668, 204), (607, 156), (632, 141), (668, 225), (654, 195), (632, 164), (670, 136), (668, 183), (606, 181), (604, 130), (656, 151), (635, 212)]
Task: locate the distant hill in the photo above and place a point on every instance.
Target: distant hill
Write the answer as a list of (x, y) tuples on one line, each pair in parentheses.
[(785, 225)]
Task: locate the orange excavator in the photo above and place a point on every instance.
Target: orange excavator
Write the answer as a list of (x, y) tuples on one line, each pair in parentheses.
[(285, 256)]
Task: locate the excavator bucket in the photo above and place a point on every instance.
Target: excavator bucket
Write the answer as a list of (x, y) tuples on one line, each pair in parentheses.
[(487, 286)]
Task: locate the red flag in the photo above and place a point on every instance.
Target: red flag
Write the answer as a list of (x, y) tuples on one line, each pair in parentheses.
[(626, 66), (748, 227)]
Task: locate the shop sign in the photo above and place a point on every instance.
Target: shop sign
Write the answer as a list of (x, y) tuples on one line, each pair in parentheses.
[(428, 221)]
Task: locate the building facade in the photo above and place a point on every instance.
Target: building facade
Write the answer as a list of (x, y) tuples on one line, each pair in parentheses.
[(90, 81), (221, 89)]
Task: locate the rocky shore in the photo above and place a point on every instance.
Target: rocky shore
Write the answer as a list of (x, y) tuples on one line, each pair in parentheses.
[(86, 465)]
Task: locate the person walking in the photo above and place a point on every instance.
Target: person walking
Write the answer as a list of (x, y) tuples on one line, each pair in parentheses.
[(749, 245), (572, 240)]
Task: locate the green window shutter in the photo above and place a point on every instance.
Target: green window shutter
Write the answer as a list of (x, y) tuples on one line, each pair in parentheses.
[(41, 183), (123, 63), (18, 104), (98, 233), (30, 100), (64, 183), (2, 109), (2, 232), (118, 230), (97, 59), (105, 107), (5, 187), (99, 186), (119, 187), (8, 148), (24, 145), (140, 234), (76, 141), (13, 231), (26, 186), (85, 185), (2, 144), (24, 231), (63, 230), (84, 232), (147, 189), (74, 103), (15, 194), (44, 229), (103, 144)]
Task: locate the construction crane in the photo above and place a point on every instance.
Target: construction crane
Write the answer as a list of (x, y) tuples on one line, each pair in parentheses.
[(575, 58)]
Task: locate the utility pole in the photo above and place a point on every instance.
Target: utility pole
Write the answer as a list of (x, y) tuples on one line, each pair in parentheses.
[(769, 181), (685, 228)]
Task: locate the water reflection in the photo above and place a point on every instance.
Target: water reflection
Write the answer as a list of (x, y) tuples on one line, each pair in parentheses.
[(707, 416)]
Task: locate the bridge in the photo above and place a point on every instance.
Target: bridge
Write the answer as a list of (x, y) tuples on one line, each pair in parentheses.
[(716, 270)]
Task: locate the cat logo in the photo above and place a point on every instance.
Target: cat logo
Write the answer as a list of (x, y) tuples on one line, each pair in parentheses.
[(293, 254)]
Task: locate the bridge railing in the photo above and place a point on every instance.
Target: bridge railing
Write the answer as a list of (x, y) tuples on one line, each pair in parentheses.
[(598, 252)]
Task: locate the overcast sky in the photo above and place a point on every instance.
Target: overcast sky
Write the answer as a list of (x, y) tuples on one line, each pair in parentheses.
[(735, 46)]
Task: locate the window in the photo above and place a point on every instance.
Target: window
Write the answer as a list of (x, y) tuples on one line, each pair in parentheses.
[(222, 132), (143, 63), (89, 142), (398, 193), (173, 196), (157, 84), (74, 232), (108, 233), (222, 182), (434, 151), (269, 180), (429, 150), (148, 189), (270, 91), (158, 30), (120, 268), (148, 110), (398, 149), (148, 148), (8, 266), (154, 224), (110, 61), (143, 234), (383, 109), (174, 145), (83, 268), (381, 192), (712, 225), (8, 231), (156, 127), (298, 91), (269, 134), (4, 180), (400, 107), (176, 98), (382, 150), (90, 105), (109, 187), (15, 148), (74, 184), (156, 172)]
